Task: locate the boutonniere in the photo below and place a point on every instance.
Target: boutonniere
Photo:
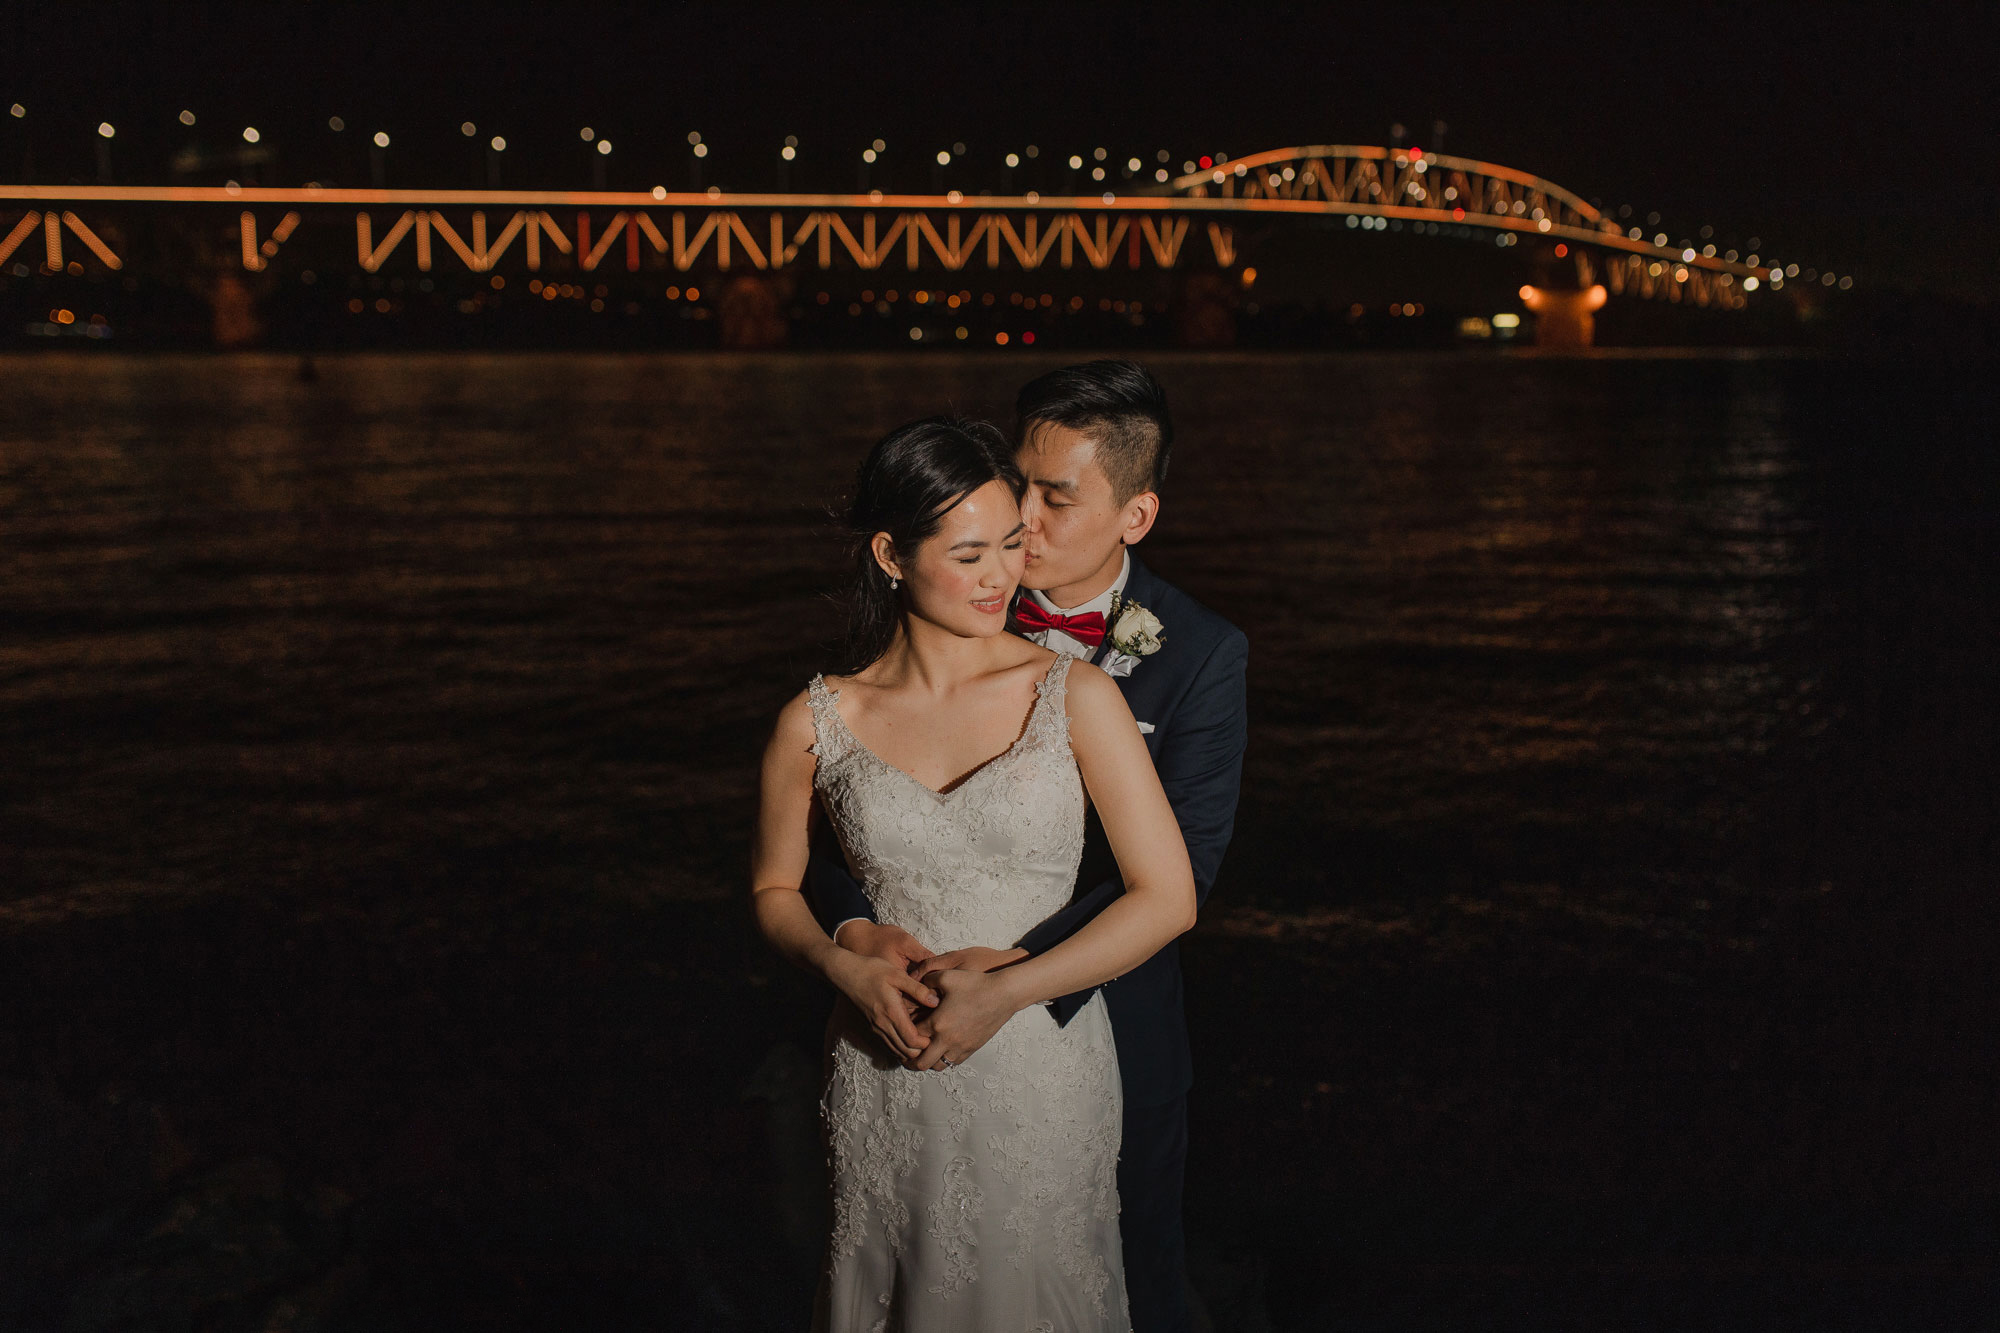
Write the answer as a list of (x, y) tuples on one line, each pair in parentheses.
[(1135, 633)]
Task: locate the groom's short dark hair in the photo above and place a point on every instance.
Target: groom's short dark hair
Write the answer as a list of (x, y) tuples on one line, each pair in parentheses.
[(1119, 405)]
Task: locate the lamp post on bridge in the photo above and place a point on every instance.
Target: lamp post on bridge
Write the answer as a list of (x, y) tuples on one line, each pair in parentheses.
[(868, 156), (785, 156), (494, 147), (698, 150), (378, 170), (599, 163), (104, 133), (469, 130)]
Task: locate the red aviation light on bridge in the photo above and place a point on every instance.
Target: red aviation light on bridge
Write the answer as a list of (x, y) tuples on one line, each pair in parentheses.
[(1561, 249), (1206, 161)]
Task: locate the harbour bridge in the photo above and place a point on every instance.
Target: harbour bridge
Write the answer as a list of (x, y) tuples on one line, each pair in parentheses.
[(231, 238)]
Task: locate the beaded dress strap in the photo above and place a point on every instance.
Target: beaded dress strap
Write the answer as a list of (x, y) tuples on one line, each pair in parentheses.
[(830, 735), (1051, 719)]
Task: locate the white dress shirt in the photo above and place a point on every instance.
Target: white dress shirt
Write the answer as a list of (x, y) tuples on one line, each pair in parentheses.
[(1061, 641)]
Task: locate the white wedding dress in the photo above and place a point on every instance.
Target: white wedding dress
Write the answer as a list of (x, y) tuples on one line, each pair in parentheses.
[(983, 1197)]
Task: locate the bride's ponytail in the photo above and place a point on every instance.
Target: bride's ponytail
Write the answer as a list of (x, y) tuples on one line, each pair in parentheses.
[(910, 480)]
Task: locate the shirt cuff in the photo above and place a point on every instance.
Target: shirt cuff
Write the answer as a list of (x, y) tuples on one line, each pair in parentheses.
[(850, 921)]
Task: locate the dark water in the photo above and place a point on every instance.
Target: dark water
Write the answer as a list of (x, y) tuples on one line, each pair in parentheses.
[(1607, 934)]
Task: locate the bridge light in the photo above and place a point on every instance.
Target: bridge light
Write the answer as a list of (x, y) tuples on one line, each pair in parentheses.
[(1561, 250), (105, 130), (1188, 168), (381, 139), (17, 111), (1846, 283), (958, 150), (701, 150), (944, 157), (1206, 162), (868, 155), (1506, 319), (1750, 284), (1033, 152), (1160, 175), (659, 192), (586, 134), (187, 117), (1075, 162), (604, 147), (1659, 238), (1458, 215), (336, 124), (1687, 254), (1097, 173), (1097, 153), (1013, 160), (497, 144), (250, 134), (788, 152), (1133, 164), (1527, 293), (1791, 270)]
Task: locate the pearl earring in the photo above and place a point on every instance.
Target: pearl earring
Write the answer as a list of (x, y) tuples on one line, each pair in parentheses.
[(894, 583)]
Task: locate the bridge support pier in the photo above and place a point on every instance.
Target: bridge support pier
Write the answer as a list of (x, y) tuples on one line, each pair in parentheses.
[(1564, 318)]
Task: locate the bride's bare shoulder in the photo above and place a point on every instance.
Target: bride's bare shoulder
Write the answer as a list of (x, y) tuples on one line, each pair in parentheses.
[(794, 726)]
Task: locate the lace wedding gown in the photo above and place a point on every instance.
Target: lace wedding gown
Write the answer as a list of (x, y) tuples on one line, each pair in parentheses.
[(985, 1196)]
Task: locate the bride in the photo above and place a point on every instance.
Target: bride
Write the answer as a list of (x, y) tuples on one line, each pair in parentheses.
[(974, 1151)]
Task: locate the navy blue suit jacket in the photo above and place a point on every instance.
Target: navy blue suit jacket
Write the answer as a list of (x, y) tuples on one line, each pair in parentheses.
[(1192, 691)]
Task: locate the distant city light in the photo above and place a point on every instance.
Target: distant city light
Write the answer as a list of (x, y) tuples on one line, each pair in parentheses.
[(1132, 165), (336, 124), (868, 155), (943, 158), (694, 137), (1034, 151), (788, 152), (250, 134), (381, 139), (879, 146), (1075, 162), (1750, 284), (958, 149), (604, 147), (701, 150), (1013, 159), (17, 111), (1506, 320), (586, 134), (104, 129), (497, 144), (1097, 153), (187, 117), (468, 129)]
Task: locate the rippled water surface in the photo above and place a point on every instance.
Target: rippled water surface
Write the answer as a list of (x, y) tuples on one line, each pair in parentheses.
[(1618, 819)]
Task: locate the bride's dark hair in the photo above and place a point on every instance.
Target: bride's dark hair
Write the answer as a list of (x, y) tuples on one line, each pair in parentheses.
[(910, 480)]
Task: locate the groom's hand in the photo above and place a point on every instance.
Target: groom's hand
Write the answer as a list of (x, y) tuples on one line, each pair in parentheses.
[(975, 1005), (892, 944)]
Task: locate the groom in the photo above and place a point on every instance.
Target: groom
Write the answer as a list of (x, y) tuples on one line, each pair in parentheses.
[(1093, 442)]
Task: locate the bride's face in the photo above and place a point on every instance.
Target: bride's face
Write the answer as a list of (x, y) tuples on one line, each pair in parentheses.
[(963, 577)]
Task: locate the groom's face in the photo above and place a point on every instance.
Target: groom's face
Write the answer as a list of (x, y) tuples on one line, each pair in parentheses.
[(1076, 526)]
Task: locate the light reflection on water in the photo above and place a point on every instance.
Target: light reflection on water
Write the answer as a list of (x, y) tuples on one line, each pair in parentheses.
[(526, 616)]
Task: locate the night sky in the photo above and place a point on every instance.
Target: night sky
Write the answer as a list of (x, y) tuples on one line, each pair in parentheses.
[(1853, 139)]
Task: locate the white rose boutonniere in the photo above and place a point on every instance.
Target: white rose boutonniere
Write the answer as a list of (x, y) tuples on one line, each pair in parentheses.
[(1135, 633)]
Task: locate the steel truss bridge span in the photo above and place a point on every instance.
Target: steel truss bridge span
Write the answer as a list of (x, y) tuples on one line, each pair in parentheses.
[(1187, 222)]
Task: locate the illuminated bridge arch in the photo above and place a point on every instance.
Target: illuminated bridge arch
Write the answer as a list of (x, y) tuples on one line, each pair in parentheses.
[(1433, 188)]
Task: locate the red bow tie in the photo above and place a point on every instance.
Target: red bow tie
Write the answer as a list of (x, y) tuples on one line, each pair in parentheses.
[(1086, 629)]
